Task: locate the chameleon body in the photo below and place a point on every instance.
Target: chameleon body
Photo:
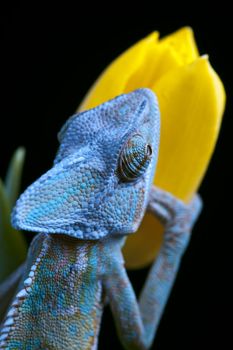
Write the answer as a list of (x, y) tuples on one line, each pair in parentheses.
[(95, 194)]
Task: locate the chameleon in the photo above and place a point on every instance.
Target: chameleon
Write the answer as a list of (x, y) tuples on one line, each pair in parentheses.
[(83, 208)]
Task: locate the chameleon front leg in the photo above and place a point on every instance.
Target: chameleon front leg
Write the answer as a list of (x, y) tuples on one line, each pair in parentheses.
[(137, 322)]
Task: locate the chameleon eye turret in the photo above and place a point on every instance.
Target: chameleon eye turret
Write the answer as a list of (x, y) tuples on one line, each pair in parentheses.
[(134, 158)]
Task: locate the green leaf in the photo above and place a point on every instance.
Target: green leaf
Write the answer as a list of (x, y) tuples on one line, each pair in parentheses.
[(13, 176), (4, 208), (13, 247)]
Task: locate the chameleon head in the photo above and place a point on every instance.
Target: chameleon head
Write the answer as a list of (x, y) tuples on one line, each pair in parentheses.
[(102, 173)]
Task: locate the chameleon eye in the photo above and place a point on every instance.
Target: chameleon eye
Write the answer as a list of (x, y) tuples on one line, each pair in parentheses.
[(134, 158)]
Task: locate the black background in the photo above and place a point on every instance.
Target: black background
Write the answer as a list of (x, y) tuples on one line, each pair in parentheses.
[(49, 60)]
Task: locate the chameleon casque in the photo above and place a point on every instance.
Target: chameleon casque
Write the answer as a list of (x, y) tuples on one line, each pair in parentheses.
[(96, 194)]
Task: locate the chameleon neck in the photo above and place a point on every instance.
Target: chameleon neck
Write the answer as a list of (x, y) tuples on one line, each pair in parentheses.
[(59, 293)]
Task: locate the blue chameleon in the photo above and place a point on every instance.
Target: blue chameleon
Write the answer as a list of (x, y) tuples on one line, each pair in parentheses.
[(83, 208)]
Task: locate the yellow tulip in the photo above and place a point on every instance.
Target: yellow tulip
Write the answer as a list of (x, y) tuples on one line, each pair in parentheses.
[(191, 98)]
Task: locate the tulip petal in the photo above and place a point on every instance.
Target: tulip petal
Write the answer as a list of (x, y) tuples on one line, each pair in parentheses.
[(158, 60), (114, 78), (171, 52), (183, 43), (142, 247), (192, 100)]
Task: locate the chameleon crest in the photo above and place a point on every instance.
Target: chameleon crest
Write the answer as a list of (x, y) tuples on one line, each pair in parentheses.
[(102, 172)]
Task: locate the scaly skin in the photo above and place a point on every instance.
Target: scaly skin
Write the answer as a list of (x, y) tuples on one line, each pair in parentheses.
[(67, 288), (94, 196)]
